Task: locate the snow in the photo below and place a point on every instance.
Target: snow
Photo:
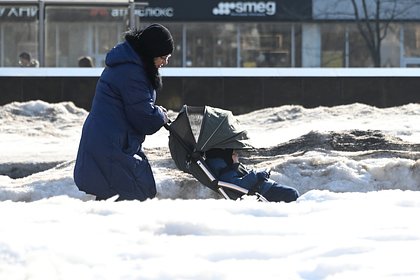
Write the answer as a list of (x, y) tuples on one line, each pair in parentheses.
[(357, 168)]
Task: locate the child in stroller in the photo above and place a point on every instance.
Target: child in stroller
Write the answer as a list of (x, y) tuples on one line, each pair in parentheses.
[(225, 164)]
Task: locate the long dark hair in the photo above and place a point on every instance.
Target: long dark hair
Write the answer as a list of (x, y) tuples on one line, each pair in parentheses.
[(134, 39)]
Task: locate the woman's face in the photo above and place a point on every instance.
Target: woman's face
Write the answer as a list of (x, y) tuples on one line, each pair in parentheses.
[(161, 61)]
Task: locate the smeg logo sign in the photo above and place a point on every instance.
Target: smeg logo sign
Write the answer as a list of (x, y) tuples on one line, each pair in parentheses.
[(245, 9)]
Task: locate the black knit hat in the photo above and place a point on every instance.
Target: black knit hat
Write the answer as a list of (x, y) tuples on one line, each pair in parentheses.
[(153, 41)]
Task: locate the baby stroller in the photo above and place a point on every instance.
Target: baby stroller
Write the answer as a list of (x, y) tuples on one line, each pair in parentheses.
[(199, 129)]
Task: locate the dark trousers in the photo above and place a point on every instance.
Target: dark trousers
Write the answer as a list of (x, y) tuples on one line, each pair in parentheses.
[(278, 193)]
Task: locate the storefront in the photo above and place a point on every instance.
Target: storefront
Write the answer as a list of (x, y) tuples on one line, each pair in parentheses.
[(210, 33)]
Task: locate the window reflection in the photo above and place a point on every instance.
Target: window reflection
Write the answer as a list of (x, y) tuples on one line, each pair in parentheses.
[(412, 40), (358, 51), (234, 45), (18, 33), (72, 32), (266, 45), (333, 45)]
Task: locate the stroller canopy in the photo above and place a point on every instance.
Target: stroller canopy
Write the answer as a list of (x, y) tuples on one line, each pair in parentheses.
[(199, 129)]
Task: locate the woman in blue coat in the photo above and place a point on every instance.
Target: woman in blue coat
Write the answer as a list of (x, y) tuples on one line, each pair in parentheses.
[(225, 165), (110, 160)]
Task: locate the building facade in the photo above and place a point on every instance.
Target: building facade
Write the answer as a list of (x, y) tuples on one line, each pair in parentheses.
[(217, 33)]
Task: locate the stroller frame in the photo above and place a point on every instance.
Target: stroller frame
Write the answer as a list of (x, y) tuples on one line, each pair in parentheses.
[(222, 185)]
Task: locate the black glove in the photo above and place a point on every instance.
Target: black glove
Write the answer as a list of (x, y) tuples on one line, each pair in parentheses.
[(263, 176)]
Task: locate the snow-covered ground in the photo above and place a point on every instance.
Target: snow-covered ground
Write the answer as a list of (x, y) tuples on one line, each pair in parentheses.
[(357, 168)]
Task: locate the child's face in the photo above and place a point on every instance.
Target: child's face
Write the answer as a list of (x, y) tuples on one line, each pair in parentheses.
[(235, 157)]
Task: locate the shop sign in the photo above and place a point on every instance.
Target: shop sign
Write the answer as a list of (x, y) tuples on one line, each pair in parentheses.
[(220, 10), (152, 12), (245, 9), (18, 13), (157, 12)]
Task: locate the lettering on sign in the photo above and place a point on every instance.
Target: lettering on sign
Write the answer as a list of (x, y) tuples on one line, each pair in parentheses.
[(245, 8), (119, 12), (19, 12), (155, 12), (146, 12)]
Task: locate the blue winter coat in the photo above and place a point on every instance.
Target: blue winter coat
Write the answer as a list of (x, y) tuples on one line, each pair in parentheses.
[(110, 159)]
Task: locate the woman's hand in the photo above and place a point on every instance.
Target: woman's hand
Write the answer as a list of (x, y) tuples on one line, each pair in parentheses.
[(164, 113)]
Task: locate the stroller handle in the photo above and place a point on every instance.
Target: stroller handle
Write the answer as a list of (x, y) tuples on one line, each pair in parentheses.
[(166, 125)]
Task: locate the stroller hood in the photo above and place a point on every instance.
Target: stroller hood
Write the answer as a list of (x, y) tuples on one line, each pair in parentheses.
[(199, 129)]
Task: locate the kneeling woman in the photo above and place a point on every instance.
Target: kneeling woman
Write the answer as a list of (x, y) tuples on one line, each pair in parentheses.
[(110, 159)]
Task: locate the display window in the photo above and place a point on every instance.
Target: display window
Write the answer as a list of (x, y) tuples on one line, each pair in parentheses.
[(18, 33), (73, 32)]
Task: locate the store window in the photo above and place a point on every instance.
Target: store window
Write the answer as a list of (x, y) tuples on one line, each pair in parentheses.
[(333, 45), (216, 44), (359, 55), (412, 40), (266, 45), (211, 45), (391, 46), (410, 45), (18, 33), (202, 44), (73, 32)]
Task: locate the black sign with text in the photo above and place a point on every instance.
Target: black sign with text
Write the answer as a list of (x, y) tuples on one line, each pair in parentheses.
[(172, 10), (219, 10), (20, 13)]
